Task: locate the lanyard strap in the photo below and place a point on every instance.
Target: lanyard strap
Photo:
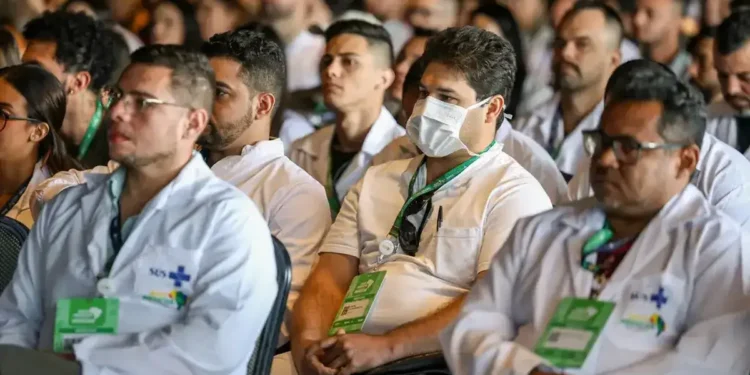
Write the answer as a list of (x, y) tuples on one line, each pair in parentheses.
[(600, 242), (115, 235), (14, 199), (430, 188), (88, 137), (553, 150)]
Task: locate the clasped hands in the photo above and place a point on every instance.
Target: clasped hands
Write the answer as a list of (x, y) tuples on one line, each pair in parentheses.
[(346, 354)]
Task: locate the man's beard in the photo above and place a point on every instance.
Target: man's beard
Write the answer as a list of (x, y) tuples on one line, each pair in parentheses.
[(221, 139)]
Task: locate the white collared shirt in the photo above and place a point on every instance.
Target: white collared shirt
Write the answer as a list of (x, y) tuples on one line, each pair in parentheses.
[(303, 59), (21, 211), (480, 207), (520, 147), (312, 153), (293, 204), (197, 226), (722, 123), (686, 270), (722, 175), (551, 136)]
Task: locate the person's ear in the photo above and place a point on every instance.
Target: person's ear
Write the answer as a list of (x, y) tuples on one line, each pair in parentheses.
[(196, 124), (688, 161), (616, 59), (386, 79), (494, 109), (77, 82), (38, 132), (266, 103)]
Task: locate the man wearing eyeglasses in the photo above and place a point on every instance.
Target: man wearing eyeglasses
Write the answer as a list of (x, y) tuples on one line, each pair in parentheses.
[(172, 267), (645, 278), (722, 173), (431, 223)]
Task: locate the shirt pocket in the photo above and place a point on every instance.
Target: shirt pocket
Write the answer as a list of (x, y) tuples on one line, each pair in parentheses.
[(650, 313), (456, 253), (165, 275)]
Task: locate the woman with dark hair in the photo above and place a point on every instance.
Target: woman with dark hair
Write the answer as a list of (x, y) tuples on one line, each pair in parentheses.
[(173, 22), (32, 108), (9, 53), (498, 20)]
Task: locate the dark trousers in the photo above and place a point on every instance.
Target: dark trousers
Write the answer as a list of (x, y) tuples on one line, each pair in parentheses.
[(19, 361)]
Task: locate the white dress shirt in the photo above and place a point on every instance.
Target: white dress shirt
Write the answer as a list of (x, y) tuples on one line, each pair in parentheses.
[(687, 269), (293, 204), (520, 147), (545, 126), (197, 225), (480, 207), (722, 175), (312, 153), (303, 61)]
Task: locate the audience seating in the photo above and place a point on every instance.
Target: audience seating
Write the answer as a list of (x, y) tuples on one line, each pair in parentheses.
[(12, 236), (265, 348)]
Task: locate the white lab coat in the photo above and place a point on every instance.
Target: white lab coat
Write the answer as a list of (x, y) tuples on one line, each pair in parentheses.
[(520, 147), (690, 249), (480, 207), (293, 204), (540, 128), (722, 175), (198, 222), (303, 61), (312, 153), (21, 211), (722, 124)]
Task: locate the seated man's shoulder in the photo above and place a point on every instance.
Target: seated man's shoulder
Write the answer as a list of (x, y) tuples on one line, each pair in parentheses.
[(313, 139), (399, 148)]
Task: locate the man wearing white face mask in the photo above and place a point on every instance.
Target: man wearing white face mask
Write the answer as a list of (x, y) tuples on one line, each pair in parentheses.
[(431, 223)]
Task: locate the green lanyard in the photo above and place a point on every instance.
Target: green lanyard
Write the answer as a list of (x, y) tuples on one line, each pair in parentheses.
[(333, 198), (88, 138), (434, 186)]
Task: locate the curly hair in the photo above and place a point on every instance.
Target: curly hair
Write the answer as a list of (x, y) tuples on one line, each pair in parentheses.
[(485, 59), (262, 59), (82, 44)]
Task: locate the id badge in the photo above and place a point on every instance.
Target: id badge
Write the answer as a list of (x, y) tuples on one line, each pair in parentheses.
[(78, 318), (362, 293), (573, 331)]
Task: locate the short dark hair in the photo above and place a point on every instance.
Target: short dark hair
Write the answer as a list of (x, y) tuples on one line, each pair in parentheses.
[(611, 17), (192, 83), (262, 60), (46, 102), (733, 33), (487, 60), (376, 35), (81, 44), (684, 116), (414, 76)]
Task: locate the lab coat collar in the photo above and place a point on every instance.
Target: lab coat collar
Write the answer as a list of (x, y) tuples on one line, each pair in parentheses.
[(319, 143), (252, 156), (689, 204)]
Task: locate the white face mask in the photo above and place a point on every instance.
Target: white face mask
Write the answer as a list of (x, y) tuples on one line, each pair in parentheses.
[(434, 126)]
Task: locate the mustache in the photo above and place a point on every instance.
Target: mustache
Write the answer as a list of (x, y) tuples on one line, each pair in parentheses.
[(558, 67)]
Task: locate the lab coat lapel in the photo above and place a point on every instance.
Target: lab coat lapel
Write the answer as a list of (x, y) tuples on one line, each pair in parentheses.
[(571, 150), (657, 236), (377, 138), (587, 220)]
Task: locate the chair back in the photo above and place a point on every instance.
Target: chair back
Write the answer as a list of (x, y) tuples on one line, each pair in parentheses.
[(12, 236), (265, 348)]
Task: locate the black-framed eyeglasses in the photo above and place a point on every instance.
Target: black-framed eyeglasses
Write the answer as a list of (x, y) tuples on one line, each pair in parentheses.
[(111, 95), (4, 118), (626, 149)]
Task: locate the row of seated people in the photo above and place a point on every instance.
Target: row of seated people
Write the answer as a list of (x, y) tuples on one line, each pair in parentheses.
[(188, 257)]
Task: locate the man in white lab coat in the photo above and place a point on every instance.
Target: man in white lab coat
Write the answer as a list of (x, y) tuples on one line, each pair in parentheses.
[(586, 53), (431, 223), (657, 26), (730, 119), (722, 174), (650, 248), (187, 257), (517, 145), (356, 72), (250, 79)]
